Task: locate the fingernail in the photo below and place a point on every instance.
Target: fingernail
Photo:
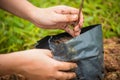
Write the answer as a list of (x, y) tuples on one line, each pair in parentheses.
[(76, 66)]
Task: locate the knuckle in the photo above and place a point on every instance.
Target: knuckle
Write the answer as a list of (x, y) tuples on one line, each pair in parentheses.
[(51, 76), (56, 66), (67, 18)]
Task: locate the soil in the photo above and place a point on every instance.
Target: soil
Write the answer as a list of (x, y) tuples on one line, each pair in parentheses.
[(111, 60), (61, 40)]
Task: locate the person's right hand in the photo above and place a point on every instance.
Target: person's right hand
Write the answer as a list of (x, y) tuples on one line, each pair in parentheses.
[(58, 17), (38, 64)]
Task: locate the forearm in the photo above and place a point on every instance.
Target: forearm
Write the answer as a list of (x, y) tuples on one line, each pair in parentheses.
[(9, 63), (21, 8)]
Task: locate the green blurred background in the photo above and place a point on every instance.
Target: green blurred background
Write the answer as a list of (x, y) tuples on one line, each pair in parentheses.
[(17, 34)]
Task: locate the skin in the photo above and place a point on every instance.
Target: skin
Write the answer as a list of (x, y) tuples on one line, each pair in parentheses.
[(38, 64), (35, 64)]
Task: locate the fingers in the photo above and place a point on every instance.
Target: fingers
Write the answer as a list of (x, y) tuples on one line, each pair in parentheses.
[(65, 66), (64, 18), (66, 10), (66, 13), (77, 30), (65, 75), (73, 32), (69, 30), (81, 20)]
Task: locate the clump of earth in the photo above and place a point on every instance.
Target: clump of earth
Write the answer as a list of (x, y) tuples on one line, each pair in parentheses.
[(111, 60)]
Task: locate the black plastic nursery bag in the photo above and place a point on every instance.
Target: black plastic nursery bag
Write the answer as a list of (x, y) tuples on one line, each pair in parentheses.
[(86, 50)]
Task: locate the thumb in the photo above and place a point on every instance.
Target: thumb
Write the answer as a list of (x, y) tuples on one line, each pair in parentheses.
[(65, 66)]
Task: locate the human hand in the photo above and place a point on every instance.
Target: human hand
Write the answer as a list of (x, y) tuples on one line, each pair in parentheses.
[(58, 17), (37, 64)]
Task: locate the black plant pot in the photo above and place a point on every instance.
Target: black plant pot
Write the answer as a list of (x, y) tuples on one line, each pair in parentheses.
[(86, 50)]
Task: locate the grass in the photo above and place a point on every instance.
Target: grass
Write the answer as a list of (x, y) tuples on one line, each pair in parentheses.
[(18, 34)]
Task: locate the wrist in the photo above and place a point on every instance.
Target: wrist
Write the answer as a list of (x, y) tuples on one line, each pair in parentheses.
[(31, 14), (19, 61), (11, 63), (7, 64), (35, 15)]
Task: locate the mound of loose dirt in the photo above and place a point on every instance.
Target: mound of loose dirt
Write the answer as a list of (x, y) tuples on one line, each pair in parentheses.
[(112, 59)]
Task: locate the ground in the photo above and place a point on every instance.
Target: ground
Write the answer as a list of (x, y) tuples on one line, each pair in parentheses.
[(111, 61)]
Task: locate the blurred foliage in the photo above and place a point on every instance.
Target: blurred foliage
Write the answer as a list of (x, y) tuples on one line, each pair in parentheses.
[(18, 34)]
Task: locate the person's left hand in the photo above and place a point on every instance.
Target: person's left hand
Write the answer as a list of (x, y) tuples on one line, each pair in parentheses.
[(58, 17)]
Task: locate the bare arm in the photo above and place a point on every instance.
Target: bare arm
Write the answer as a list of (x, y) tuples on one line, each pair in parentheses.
[(35, 64), (7, 64), (21, 8), (57, 17)]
